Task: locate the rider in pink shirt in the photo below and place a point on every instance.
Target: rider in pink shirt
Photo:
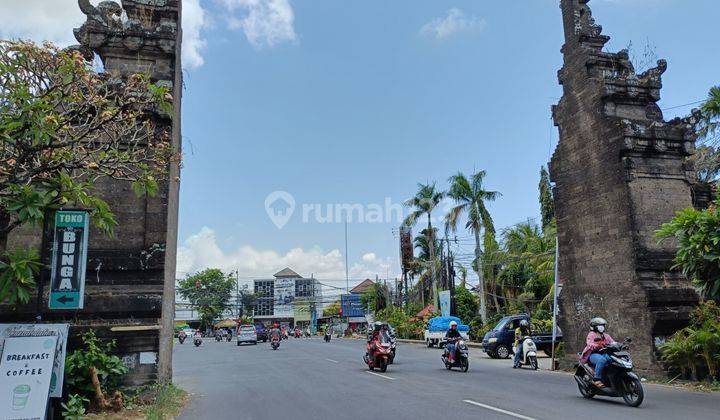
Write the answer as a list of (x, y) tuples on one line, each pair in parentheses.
[(595, 341)]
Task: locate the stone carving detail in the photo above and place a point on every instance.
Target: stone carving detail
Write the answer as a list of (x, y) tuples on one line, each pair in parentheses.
[(620, 170)]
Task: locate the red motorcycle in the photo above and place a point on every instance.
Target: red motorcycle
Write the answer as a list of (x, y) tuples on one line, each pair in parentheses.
[(378, 353), (275, 342), (297, 333)]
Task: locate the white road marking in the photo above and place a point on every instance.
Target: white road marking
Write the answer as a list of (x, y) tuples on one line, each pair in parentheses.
[(382, 376), (331, 360), (499, 410)]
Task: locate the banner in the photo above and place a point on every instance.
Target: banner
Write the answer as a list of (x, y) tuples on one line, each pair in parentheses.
[(43, 330), (351, 306), (26, 369), (284, 297), (444, 303), (69, 260), (302, 310)]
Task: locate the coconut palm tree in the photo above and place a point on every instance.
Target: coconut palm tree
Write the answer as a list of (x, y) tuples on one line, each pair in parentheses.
[(470, 197), (422, 204)]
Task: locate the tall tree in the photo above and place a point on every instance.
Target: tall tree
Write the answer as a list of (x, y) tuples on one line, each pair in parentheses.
[(422, 204), (547, 206), (63, 127), (470, 197), (209, 291)]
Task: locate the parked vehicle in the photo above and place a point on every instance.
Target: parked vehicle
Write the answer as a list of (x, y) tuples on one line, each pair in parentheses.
[(246, 334), (275, 342), (619, 378), (261, 332), (528, 356), (377, 353), (437, 328), (498, 342), (462, 359)]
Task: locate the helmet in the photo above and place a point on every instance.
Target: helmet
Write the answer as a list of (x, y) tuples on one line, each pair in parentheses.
[(453, 324), (596, 322), (524, 323), (377, 326)]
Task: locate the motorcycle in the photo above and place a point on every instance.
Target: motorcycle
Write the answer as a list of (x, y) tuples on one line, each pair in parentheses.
[(181, 338), (228, 337), (218, 337), (297, 333), (377, 354), (619, 378), (529, 353), (275, 343), (461, 357), (197, 341), (327, 336)]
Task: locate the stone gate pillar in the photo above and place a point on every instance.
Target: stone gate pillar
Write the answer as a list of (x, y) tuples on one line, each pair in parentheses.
[(620, 171)]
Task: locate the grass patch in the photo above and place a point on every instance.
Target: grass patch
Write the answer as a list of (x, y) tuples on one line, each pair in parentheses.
[(154, 402)]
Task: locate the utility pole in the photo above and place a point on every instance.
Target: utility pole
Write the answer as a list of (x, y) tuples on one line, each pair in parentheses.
[(347, 275), (237, 293)]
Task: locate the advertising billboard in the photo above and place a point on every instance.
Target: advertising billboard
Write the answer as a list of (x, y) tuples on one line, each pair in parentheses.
[(284, 297), (444, 303), (351, 306)]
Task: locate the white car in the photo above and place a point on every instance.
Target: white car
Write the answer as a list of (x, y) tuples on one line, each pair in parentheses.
[(246, 334)]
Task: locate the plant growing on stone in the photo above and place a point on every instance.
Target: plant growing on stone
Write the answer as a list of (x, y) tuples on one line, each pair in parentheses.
[(74, 408), (63, 127)]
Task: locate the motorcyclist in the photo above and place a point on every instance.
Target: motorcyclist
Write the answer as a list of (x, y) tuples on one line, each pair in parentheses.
[(451, 337), (275, 332), (522, 331), (596, 340), (182, 335)]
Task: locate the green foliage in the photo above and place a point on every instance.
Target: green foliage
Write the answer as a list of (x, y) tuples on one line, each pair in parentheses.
[(332, 310), (209, 291), (93, 354), (406, 326), (697, 345), (74, 408), (547, 206), (17, 275), (698, 257), (51, 154), (466, 304), (168, 402)]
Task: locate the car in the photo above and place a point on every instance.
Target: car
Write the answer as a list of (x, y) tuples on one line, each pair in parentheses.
[(498, 342), (246, 334), (262, 332)]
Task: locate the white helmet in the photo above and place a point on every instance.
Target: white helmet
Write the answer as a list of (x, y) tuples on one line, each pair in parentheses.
[(453, 324)]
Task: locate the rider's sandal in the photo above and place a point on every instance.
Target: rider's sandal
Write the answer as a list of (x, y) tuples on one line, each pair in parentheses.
[(599, 384)]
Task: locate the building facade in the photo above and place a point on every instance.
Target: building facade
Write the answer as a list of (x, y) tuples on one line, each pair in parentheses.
[(288, 299)]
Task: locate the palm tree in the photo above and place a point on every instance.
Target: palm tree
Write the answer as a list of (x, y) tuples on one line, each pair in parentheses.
[(423, 203), (470, 197)]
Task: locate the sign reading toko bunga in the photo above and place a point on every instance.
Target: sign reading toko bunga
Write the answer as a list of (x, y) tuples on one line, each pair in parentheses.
[(67, 282)]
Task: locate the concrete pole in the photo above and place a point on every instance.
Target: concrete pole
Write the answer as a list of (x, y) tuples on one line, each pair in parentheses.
[(168, 302)]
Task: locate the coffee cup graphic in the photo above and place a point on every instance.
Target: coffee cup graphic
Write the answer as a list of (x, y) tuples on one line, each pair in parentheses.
[(21, 393)]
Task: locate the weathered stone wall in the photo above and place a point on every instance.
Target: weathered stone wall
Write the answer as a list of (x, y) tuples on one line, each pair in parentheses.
[(620, 171), (126, 272)]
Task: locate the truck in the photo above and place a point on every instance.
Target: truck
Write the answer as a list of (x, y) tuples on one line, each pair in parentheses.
[(498, 342), (437, 327)]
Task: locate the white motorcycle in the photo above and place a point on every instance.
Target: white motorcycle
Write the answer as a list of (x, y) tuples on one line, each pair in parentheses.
[(529, 352)]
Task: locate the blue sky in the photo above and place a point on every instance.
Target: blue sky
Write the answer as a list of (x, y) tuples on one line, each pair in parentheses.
[(355, 102), (364, 104)]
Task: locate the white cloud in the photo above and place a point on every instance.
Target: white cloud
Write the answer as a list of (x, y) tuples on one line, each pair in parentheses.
[(54, 20), (202, 251), (455, 21), (265, 23), (194, 21)]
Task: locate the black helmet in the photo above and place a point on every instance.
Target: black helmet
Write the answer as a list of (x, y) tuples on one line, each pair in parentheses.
[(595, 322), (524, 323), (377, 325)]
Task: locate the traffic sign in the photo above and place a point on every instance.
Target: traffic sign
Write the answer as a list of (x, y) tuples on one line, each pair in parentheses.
[(69, 259)]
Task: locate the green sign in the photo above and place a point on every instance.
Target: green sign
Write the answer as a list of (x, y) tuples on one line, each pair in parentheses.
[(69, 259)]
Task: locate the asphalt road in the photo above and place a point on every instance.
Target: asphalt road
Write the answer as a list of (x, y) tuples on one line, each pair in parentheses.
[(311, 379)]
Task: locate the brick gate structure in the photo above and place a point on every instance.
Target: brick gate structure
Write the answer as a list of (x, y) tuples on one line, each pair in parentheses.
[(129, 293), (620, 171)]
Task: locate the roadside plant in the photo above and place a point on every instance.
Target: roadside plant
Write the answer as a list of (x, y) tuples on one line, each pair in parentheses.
[(63, 128), (698, 257), (209, 291), (74, 408), (92, 372)]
